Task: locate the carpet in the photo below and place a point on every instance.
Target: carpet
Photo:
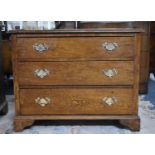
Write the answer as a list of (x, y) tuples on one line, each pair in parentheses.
[(146, 113)]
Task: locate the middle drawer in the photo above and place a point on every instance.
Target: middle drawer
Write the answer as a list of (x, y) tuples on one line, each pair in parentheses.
[(76, 73)]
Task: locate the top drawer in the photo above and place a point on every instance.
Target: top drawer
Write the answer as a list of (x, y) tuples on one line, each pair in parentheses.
[(76, 48)]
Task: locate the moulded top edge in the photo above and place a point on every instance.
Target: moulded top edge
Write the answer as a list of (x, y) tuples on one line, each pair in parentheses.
[(90, 30)]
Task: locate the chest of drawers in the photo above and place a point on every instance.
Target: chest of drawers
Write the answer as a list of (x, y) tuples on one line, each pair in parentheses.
[(76, 75)]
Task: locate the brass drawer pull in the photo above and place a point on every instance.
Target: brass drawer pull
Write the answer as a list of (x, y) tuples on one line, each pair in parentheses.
[(110, 46), (110, 72), (41, 47), (41, 73), (42, 101), (109, 100)]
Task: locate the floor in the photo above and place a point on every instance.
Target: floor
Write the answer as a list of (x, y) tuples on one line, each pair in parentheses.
[(146, 112), (151, 94)]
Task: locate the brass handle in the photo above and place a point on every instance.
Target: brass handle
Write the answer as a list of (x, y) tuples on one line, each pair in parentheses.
[(110, 72), (41, 73), (109, 100), (41, 47), (42, 101), (110, 46)]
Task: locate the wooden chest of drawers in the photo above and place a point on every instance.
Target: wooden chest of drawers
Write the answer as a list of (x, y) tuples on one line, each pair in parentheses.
[(76, 74)]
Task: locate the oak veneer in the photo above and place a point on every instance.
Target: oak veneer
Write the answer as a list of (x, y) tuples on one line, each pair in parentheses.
[(76, 73), (67, 48), (76, 101), (77, 87)]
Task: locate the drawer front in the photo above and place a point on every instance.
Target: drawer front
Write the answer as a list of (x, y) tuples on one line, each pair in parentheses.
[(76, 101), (86, 48), (76, 73)]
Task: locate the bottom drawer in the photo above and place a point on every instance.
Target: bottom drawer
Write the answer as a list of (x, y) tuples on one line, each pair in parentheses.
[(76, 101)]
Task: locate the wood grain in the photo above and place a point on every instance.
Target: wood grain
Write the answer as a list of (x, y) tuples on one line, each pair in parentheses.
[(76, 101), (76, 85), (75, 48), (76, 73)]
